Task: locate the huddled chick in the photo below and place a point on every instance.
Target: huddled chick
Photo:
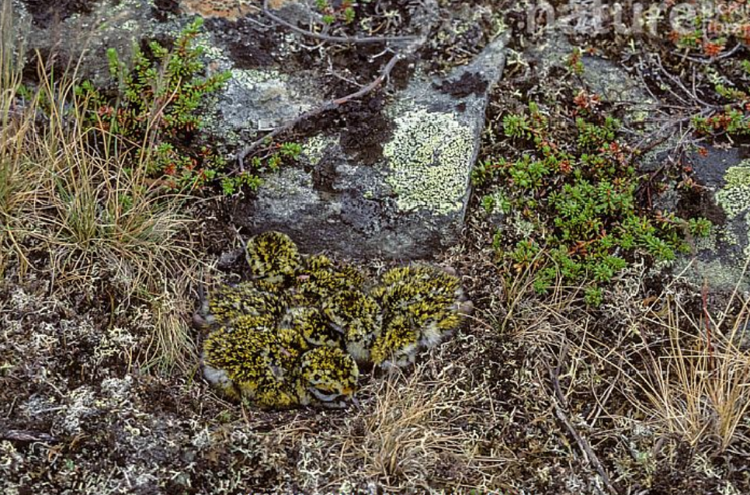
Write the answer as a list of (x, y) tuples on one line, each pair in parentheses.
[(313, 326), (248, 360), (422, 305), (298, 332), (273, 259), (320, 278), (230, 302), (358, 317), (277, 368), (329, 376)]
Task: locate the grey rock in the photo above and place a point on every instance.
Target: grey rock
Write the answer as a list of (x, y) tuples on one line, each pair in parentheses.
[(396, 185), (721, 260), (411, 201)]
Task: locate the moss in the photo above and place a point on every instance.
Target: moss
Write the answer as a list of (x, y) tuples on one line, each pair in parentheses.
[(430, 157)]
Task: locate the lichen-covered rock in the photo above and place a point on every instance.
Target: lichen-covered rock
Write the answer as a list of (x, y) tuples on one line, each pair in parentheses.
[(405, 200), (721, 260), (393, 181)]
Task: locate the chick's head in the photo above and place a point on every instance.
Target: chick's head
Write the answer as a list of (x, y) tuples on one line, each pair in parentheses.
[(358, 317), (329, 375), (273, 259)]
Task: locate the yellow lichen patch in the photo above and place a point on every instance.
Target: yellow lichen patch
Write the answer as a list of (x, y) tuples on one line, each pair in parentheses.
[(430, 160), (735, 196)]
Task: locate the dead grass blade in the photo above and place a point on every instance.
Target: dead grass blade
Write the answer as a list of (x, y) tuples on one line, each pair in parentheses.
[(93, 215), (693, 378), (411, 436)]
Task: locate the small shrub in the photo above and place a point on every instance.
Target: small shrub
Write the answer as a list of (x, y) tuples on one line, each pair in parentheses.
[(581, 201), (152, 107), (343, 12), (734, 118)]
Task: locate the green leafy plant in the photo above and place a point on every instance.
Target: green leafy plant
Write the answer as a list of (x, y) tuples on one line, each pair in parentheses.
[(734, 118), (344, 12), (580, 200), (575, 62), (152, 106)]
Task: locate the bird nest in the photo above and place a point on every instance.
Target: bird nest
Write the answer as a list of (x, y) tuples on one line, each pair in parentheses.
[(301, 328)]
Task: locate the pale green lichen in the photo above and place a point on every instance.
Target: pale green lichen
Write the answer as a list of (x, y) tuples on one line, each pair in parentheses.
[(251, 78), (738, 176), (734, 197), (430, 160), (314, 147)]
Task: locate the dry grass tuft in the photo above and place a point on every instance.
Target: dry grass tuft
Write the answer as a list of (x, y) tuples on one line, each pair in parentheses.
[(696, 381), (172, 342), (86, 216), (413, 433)]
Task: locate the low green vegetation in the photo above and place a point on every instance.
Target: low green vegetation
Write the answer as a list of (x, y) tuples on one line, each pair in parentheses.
[(152, 106), (570, 209), (734, 118), (341, 12)]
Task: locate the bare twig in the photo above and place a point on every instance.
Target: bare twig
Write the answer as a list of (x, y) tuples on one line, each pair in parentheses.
[(582, 443), (676, 80), (334, 39), (27, 436), (329, 105), (709, 60)]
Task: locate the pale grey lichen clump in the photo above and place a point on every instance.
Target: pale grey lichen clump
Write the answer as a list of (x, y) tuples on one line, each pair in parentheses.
[(734, 197), (313, 148), (429, 157)]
